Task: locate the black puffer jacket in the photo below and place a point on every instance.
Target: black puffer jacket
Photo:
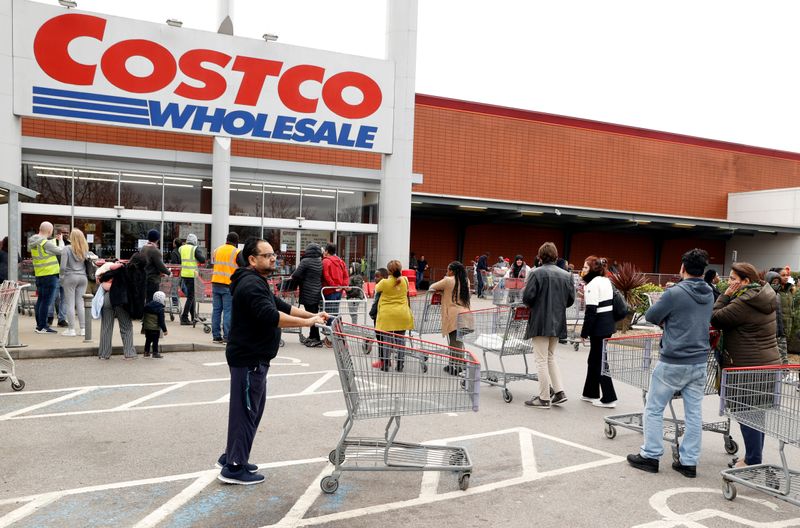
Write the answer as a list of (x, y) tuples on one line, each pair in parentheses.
[(748, 327), (308, 276)]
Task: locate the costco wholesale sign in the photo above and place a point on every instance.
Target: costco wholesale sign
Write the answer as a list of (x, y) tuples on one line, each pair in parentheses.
[(102, 69)]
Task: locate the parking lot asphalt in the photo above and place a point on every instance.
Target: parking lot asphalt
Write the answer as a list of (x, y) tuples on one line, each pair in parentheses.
[(133, 443)]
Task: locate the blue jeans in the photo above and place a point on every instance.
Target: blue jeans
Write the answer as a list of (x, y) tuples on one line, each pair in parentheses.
[(222, 302), (333, 307), (753, 445), (59, 307), (419, 278), (668, 379), (479, 278), (46, 289)]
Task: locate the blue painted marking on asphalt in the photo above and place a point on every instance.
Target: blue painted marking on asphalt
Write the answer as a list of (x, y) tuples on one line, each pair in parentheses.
[(78, 402), (335, 501), (199, 508), (103, 508)]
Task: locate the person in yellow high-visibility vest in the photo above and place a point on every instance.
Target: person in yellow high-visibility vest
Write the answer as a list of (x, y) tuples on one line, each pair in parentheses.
[(224, 260), (46, 269), (191, 256)]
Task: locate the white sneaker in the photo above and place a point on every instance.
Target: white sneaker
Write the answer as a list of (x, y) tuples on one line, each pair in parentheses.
[(69, 333), (83, 332), (590, 400), (609, 405)]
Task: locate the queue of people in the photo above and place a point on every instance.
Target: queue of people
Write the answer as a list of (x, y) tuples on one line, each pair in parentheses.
[(755, 315)]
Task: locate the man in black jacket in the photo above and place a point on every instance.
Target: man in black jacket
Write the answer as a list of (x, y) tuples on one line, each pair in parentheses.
[(257, 317)]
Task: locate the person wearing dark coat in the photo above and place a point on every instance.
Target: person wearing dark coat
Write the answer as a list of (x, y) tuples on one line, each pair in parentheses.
[(115, 306), (308, 276), (548, 293), (745, 313), (712, 278), (154, 266), (598, 324)]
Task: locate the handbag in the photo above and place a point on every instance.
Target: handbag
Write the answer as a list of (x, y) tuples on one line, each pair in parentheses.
[(619, 308)]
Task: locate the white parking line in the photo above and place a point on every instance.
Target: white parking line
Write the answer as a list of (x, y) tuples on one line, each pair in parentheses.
[(30, 408), (135, 405), (172, 505), (671, 519)]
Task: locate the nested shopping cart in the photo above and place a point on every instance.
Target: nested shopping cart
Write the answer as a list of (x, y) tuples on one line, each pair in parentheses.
[(203, 295), (575, 316), (427, 311), (631, 360), (289, 292), (355, 307), (170, 285), (508, 292), (9, 299), (499, 331), (372, 393), (27, 296), (766, 399)]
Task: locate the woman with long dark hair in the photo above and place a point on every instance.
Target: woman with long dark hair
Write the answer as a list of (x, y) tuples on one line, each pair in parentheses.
[(745, 313), (455, 300), (598, 324)]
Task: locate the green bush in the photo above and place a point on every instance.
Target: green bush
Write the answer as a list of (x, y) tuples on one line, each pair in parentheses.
[(640, 302)]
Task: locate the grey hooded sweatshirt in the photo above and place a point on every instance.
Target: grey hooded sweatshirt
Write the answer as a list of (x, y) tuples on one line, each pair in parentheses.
[(685, 313)]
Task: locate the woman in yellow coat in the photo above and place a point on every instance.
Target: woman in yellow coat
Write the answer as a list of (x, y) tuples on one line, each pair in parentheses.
[(394, 315), (455, 300)]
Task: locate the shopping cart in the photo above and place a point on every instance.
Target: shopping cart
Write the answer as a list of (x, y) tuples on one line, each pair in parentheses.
[(427, 311), (500, 331), (575, 316), (374, 393), (170, 285), (509, 292), (768, 400), (354, 307), (286, 291), (27, 298), (9, 299), (631, 360), (203, 295)]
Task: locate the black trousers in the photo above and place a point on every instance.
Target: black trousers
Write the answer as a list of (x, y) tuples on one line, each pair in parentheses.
[(313, 332), (248, 395), (151, 288), (187, 284), (594, 381), (151, 336)]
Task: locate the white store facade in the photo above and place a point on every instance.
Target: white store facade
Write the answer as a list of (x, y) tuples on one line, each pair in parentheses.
[(65, 67)]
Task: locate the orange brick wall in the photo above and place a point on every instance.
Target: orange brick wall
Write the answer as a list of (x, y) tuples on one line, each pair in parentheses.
[(673, 249), (113, 135), (622, 247), (511, 158), (133, 137), (435, 239), (509, 240)]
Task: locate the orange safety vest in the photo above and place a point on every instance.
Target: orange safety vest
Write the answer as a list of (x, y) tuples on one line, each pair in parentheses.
[(224, 260)]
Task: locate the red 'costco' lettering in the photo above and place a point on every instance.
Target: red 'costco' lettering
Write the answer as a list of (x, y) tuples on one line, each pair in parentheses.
[(51, 49)]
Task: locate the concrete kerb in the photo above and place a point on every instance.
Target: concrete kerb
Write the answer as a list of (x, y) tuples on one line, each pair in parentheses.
[(91, 350)]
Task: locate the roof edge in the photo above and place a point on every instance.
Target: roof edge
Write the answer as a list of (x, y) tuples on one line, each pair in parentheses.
[(588, 124)]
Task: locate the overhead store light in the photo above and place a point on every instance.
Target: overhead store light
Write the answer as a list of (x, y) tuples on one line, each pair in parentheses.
[(61, 169), (104, 173), (642, 222), (472, 208), (682, 225), (531, 213)]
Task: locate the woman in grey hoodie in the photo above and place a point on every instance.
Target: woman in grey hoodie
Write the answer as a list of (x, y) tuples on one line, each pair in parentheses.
[(74, 280)]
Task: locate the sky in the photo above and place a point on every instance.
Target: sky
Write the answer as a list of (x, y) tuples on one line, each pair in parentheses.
[(717, 69)]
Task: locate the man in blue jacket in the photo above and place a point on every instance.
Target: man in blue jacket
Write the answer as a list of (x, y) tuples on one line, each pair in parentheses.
[(256, 322), (684, 311)]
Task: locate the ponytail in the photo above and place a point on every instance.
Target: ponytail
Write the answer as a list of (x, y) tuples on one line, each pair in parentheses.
[(395, 270)]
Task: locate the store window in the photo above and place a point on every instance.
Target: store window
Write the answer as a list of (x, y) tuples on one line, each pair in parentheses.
[(141, 191), (281, 201), (358, 207), (353, 247), (100, 234), (30, 226), (54, 184), (319, 204), (96, 188), (133, 235), (187, 194), (181, 230), (247, 199)]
